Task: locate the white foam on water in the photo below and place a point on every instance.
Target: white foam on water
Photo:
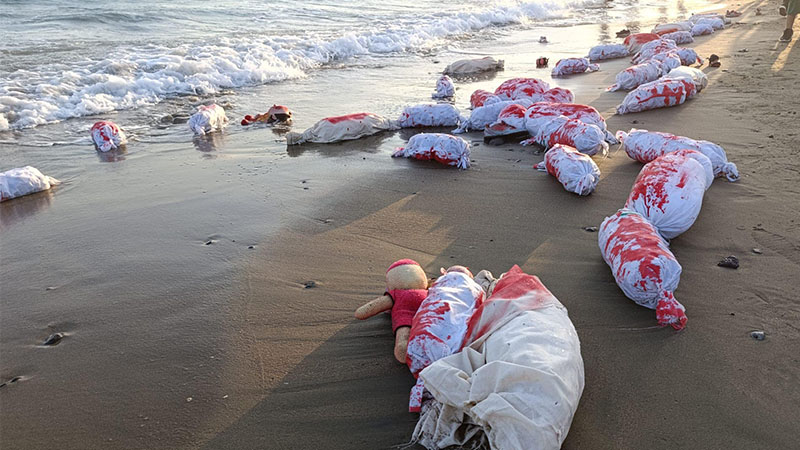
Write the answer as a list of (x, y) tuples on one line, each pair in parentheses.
[(131, 77)]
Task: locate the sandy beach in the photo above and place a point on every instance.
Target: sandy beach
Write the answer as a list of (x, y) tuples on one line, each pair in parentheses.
[(207, 301)]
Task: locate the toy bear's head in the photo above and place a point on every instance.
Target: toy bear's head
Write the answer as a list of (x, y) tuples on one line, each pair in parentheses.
[(406, 274)]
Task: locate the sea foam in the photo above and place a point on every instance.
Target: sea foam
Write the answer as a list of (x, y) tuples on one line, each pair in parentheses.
[(129, 77)]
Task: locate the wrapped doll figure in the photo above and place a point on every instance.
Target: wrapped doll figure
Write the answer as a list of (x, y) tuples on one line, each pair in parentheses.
[(208, 118), (575, 171), (23, 181), (548, 131), (429, 115), (573, 66), (444, 88), (443, 148)]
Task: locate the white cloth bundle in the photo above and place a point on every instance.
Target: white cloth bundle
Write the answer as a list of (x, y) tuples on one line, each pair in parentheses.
[(518, 380), (688, 56), (697, 76), (510, 120), (478, 97), (548, 131), (440, 324), (106, 136), (472, 66), (555, 95), (23, 181), (429, 115), (634, 42), (715, 22), (573, 66), (584, 113), (518, 88), (633, 76), (708, 15), (607, 51), (444, 88), (444, 148), (668, 61), (661, 93), (645, 146), (669, 190), (653, 48), (680, 37), (664, 28), (208, 118), (487, 114), (575, 171), (701, 29), (642, 264), (343, 128)]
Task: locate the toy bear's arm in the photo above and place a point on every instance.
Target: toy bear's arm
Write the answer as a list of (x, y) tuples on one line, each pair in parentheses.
[(379, 305)]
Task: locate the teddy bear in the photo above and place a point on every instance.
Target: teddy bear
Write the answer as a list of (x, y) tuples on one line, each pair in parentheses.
[(406, 288)]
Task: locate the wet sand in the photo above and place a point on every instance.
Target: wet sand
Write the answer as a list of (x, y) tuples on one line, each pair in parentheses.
[(179, 335)]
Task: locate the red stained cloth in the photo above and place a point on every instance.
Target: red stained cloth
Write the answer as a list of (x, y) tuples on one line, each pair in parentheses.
[(406, 304)]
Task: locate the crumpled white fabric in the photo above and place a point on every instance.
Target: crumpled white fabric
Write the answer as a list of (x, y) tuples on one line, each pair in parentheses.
[(439, 325), (653, 48), (634, 42), (521, 88), (633, 76), (573, 66), (669, 191), (106, 136), (472, 66), (23, 181), (208, 118), (661, 93), (444, 148), (444, 88), (680, 37), (548, 131), (518, 380), (487, 114), (688, 56), (343, 128), (697, 76), (665, 28), (645, 146), (701, 29), (607, 51), (715, 22), (575, 171), (584, 113), (429, 115), (709, 15), (642, 264), (510, 120)]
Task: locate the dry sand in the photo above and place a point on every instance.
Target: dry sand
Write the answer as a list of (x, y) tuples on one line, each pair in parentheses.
[(289, 367)]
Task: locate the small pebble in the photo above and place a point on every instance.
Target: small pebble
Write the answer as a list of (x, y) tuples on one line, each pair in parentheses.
[(758, 335), (251, 247), (53, 339), (757, 251), (730, 262), (310, 284), (188, 399), (496, 141), (590, 229)]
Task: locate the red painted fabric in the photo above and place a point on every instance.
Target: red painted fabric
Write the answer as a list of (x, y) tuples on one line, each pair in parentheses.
[(406, 304)]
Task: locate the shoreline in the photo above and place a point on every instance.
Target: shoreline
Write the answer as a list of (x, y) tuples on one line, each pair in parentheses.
[(291, 365)]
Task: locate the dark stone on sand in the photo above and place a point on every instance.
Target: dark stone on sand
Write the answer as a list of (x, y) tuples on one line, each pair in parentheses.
[(730, 261), (251, 247), (590, 229), (758, 335), (310, 284), (53, 339)]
